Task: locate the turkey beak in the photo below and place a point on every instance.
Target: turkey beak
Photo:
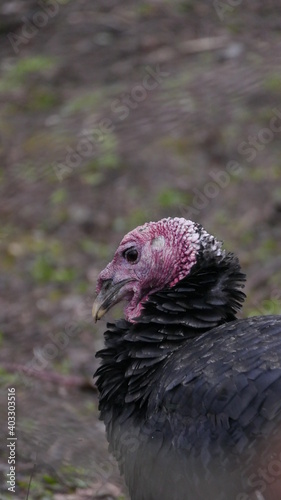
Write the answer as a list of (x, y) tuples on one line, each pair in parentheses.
[(109, 294)]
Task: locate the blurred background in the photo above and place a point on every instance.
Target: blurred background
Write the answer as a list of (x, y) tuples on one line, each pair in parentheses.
[(114, 113)]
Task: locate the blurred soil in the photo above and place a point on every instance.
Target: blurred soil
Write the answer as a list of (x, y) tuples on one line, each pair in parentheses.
[(112, 114)]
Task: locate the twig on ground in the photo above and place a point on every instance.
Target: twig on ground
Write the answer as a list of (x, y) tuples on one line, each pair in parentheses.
[(48, 376)]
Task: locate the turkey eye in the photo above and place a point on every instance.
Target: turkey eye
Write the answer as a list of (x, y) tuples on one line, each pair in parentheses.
[(131, 255)]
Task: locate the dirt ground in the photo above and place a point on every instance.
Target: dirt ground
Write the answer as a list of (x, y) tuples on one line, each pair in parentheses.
[(113, 113)]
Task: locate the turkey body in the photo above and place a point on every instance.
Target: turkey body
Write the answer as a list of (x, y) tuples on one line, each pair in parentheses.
[(191, 396), (206, 432)]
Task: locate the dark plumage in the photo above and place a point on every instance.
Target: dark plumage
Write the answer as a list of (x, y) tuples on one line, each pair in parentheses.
[(190, 396)]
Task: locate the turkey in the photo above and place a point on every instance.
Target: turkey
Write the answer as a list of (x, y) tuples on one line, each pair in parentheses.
[(189, 394)]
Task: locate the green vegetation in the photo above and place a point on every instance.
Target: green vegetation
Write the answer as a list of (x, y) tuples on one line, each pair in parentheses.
[(109, 157), (42, 486), (95, 248), (181, 146), (136, 217), (17, 75), (269, 306), (7, 379), (59, 196), (88, 101), (172, 198), (64, 366), (272, 83), (41, 98), (46, 270)]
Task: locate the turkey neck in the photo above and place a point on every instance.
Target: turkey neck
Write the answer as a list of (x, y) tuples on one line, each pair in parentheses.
[(208, 297)]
